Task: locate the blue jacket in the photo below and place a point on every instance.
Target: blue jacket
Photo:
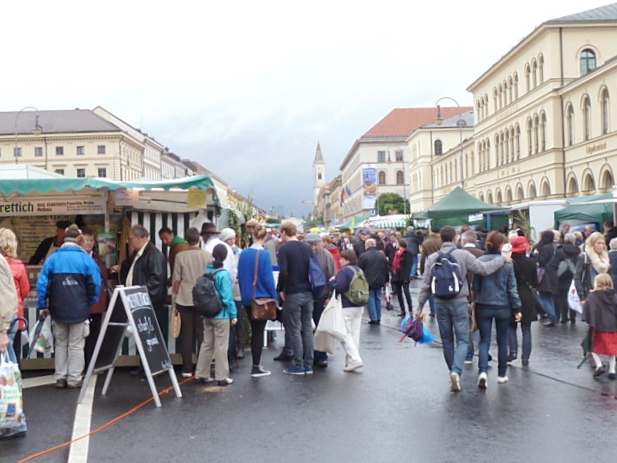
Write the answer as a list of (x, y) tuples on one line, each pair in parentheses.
[(222, 282), (246, 274), (71, 282), (498, 288)]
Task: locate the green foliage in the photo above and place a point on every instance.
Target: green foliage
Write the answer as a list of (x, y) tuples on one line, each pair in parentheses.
[(391, 203)]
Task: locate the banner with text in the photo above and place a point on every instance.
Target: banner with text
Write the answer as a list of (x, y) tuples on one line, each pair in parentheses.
[(18, 207), (369, 184)]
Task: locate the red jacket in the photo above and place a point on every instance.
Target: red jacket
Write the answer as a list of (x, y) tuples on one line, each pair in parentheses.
[(22, 284), (336, 254)]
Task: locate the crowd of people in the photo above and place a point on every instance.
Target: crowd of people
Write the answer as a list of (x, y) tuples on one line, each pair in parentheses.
[(501, 278)]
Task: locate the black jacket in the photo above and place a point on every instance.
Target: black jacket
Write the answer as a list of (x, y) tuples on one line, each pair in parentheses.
[(571, 253), (600, 310), (404, 271), (526, 282), (413, 243), (359, 248), (550, 265), (375, 266), (150, 271)]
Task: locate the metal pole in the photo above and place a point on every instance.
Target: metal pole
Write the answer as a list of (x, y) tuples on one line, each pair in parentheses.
[(16, 119)]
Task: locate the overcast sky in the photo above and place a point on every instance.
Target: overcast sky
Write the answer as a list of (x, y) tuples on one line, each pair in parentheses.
[(248, 88)]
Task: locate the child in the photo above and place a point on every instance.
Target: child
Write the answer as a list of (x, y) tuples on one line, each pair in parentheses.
[(600, 311), (216, 330)]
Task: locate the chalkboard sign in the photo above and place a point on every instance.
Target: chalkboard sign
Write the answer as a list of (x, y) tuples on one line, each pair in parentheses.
[(112, 337), (130, 313), (148, 329)]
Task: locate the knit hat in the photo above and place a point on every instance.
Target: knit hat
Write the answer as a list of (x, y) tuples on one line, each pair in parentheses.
[(312, 238), (227, 233), (520, 245)]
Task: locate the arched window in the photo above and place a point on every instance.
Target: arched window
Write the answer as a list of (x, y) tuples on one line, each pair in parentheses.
[(511, 139), (536, 134), (497, 148), (570, 124), (527, 77), (510, 93), (438, 148), (495, 100), (400, 178), (543, 131), (540, 70), (605, 107), (515, 86), (587, 117), (588, 61), (382, 178), (501, 149), (534, 72), (487, 165), (529, 138), (485, 105), (517, 141)]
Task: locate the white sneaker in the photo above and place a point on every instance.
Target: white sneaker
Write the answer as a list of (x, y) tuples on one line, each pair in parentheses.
[(502, 379), (482, 379), (455, 382), (187, 375), (353, 367)]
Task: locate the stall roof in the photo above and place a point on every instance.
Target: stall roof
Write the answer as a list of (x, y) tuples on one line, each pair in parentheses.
[(45, 185), (457, 202), (26, 171)]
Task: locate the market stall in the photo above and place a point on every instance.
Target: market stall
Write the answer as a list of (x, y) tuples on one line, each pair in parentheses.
[(32, 206)]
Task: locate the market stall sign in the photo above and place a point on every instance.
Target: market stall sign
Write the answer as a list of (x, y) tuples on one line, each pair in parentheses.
[(52, 206)]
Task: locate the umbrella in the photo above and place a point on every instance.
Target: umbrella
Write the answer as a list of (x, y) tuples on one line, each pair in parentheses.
[(37, 330)]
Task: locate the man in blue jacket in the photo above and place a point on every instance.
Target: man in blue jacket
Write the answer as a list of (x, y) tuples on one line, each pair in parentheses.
[(68, 285)]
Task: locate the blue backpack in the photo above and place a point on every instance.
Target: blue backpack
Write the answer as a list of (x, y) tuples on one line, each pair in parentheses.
[(316, 277), (446, 280)]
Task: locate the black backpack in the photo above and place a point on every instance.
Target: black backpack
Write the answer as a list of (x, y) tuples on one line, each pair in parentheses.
[(206, 298), (446, 280)]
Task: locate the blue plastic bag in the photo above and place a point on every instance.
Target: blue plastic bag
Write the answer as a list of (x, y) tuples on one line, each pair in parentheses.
[(428, 336)]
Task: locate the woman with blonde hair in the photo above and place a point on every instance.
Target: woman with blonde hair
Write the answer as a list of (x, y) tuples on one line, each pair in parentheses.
[(593, 261), (8, 248), (600, 311)]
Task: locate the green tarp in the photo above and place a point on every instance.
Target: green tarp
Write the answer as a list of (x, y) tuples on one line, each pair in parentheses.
[(45, 185), (456, 209), (352, 223), (597, 213)]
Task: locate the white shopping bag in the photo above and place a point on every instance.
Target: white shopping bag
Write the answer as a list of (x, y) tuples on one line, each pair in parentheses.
[(11, 404), (573, 300), (332, 321), (44, 341)]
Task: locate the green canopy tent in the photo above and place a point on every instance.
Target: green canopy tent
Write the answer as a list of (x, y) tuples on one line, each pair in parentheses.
[(592, 213), (352, 223), (460, 208)]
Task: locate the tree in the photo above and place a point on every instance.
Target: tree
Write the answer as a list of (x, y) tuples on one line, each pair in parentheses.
[(391, 203)]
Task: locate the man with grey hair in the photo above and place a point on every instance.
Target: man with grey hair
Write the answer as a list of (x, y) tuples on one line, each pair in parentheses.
[(565, 272)]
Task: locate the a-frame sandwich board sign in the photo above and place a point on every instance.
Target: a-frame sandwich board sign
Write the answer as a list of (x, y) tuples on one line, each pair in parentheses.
[(131, 313)]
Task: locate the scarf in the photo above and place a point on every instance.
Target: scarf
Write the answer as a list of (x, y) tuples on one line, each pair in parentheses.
[(599, 263), (396, 264)]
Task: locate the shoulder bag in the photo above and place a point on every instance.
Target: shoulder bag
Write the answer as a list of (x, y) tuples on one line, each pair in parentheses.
[(263, 308)]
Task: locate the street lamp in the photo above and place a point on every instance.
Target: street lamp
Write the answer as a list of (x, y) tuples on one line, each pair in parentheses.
[(460, 123), (36, 131), (404, 180)]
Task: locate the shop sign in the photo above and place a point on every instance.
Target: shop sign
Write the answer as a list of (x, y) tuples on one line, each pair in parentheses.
[(18, 207)]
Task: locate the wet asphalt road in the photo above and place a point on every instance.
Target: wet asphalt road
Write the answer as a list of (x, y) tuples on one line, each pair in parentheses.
[(398, 408)]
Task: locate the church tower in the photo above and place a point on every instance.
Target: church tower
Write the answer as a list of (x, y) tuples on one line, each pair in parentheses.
[(319, 174)]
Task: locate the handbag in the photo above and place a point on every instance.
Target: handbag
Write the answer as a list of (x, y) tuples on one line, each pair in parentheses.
[(542, 270), (176, 324), (574, 301), (262, 308)]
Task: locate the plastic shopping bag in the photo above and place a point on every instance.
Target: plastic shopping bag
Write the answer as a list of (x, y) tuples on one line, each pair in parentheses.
[(44, 341), (332, 321), (573, 300), (11, 404)]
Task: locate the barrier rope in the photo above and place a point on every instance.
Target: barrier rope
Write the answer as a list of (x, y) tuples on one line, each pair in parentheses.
[(105, 426)]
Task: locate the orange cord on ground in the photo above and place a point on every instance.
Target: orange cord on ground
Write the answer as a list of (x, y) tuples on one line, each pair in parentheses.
[(115, 420)]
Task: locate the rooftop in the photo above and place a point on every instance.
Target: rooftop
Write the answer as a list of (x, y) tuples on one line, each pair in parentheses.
[(53, 122), (402, 122), (601, 14)]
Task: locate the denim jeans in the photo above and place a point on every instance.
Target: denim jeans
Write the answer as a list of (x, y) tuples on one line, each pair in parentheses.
[(414, 266), (431, 303), (12, 333), (374, 304), (513, 341), (502, 316), (549, 305), (453, 319), (473, 338), (298, 313)]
